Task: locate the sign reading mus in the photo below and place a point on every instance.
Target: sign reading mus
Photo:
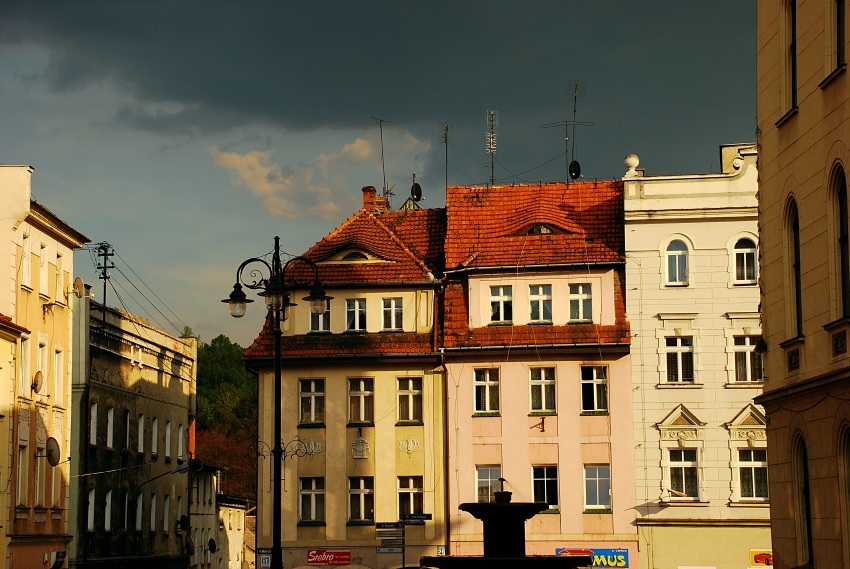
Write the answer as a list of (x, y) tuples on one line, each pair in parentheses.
[(599, 557)]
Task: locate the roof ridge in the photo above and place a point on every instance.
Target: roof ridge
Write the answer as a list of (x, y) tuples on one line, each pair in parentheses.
[(425, 269)]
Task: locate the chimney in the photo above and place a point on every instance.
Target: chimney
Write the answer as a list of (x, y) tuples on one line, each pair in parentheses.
[(374, 203)]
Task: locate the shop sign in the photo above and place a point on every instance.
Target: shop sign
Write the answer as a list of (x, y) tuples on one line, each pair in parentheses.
[(328, 557), (761, 558), (599, 557)]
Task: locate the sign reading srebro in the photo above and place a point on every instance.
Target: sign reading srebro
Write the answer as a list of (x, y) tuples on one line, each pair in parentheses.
[(329, 557), (599, 557)]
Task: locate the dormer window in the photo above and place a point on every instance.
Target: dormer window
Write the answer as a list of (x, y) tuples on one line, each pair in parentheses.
[(355, 256), (540, 230)]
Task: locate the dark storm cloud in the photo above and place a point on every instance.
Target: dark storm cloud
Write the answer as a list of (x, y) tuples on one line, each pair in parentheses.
[(305, 65)]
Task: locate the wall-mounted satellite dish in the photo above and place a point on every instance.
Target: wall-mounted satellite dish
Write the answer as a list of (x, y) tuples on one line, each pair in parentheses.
[(212, 546), (416, 192), (575, 169), (79, 287), (52, 451), (190, 545), (37, 381)]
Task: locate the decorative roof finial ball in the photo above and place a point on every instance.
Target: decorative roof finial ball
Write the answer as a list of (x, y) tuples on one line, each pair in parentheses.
[(631, 163)]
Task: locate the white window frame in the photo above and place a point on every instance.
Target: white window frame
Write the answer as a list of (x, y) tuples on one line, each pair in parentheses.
[(40, 478), (540, 303), (598, 476), (155, 435), (581, 302), (676, 459), (487, 481), (393, 313), (361, 400), (141, 432), (180, 442), (93, 423), (752, 465), (361, 491), (26, 261), (594, 389), (745, 258), (321, 322), (410, 398), (411, 495), (486, 394), (107, 511), (311, 400), (25, 380), (43, 285), (167, 440), (676, 265), (355, 314), (59, 287), (312, 495), (22, 489), (110, 427), (153, 511), (683, 348), (166, 513), (542, 386), (90, 511), (542, 478), (140, 504), (501, 303), (58, 377), (747, 360)]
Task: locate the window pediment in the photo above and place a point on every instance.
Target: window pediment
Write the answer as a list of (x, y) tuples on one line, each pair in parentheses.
[(680, 425)]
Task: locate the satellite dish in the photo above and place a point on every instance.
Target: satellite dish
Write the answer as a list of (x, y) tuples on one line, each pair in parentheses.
[(37, 381), (52, 450), (79, 288), (190, 545), (575, 169), (212, 546), (416, 192)]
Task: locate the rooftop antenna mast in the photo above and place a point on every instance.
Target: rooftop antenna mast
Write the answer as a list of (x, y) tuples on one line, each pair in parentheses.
[(573, 167), (383, 169), (104, 252), (445, 135), (492, 121)]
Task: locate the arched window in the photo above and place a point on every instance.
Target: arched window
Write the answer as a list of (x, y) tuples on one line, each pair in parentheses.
[(745, 261), (802, 502), (677, 263), (355, 256), (795, 271), (840, 186)]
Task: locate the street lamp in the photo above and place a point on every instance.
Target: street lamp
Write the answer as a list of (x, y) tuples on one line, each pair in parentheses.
[(274, 286)]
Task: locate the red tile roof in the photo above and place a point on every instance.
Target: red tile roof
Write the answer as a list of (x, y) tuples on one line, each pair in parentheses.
[(488, 226)]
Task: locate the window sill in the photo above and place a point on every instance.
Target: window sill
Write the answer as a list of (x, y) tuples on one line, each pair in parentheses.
[(318, 332), (597, 511), (745, 385), (796, 340), (360, 523), (594, 413), (679, 385), (745, 283), (676, 502), (409, 424), (354, 332), (676, 284), (580, 321), (750, 504), (360, 424), (501, 323), (542, 414), (843, 321), (311, 426), (311, 523), (787, 116), (540, 323), (487, 414), (835, 73), (552, 510), (391, 330)]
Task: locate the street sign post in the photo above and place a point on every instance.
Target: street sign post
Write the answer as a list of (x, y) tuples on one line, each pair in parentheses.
[(393, 542), (415, 517), (390, 549), (390, 533)]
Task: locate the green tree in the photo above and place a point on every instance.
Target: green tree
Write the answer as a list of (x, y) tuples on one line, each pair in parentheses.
[(227, 392)]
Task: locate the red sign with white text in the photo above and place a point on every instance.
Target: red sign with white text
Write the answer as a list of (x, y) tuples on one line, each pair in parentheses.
[(329, 557)]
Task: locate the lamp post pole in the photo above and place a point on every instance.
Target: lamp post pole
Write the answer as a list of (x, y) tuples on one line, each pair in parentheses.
[(275, 289)]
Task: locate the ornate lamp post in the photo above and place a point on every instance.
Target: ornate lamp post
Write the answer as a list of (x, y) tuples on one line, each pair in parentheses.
[(274, 286)]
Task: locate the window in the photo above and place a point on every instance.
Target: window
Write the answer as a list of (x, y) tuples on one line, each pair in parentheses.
[(392, 314), (25, 379), (840, 184), (56, 490), (312, 499), (597, 486), (179, 442), (410, 495), (153, 512), (361, 499), (126, 429), (321, 322), (139, 507), (167, 440), (312, 401), (107, 511), (110, 427), (581, 304), (410, 399), (680, 359), (93, 423), (540, 230), (748, 365), (796, 276), (501, 306), (745, 262), (155, 435), (683, 473), (59, 288), (545, 482), (677, 263), (23, 476), (488, 482), (540, 299), (166, 513), (360, 400), (355, 256), (42, 270), (752, 466), (594, 388), (26, 262), (40, 479), (839, 33), (58, 377), (141, 430), (90, 511), (802, 502), (125, 514), (355, 314), (487, 390), (543, 389), (791, 53)]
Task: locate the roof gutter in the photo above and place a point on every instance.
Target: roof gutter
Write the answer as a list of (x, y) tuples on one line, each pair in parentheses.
[(495, 268)]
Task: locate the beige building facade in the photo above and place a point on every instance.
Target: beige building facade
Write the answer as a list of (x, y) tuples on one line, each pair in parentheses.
[(804, 152), (35, 299), (693, 304)]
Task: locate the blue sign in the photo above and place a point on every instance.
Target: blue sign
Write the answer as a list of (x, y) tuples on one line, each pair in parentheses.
[(599, 557)]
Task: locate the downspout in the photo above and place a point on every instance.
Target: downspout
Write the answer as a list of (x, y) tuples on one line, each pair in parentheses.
[(438, 346)]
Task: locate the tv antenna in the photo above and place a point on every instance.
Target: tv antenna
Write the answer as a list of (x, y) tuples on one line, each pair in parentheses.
[(444, 132), (104, 252), (573, 167), (383, 169), (492, 121)]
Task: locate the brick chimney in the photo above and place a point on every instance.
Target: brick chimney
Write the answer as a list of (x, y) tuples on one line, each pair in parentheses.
[(374, 203)]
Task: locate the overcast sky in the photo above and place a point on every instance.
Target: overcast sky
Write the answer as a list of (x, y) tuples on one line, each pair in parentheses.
[(188, 134)]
